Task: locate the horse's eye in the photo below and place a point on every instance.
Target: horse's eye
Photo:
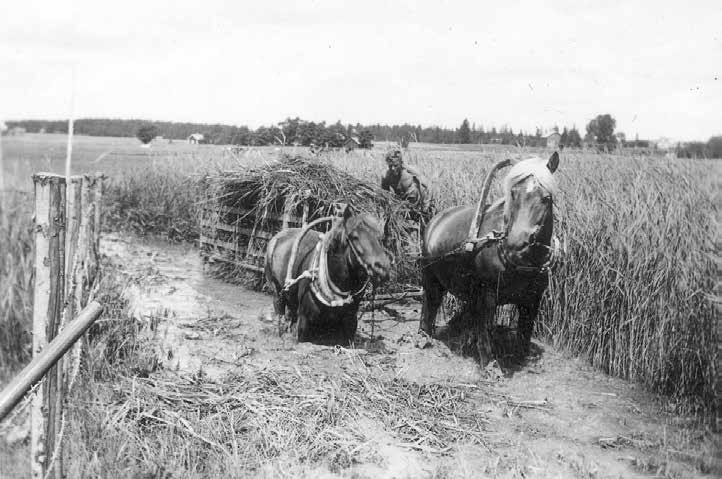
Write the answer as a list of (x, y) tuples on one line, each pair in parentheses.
[(546, 199)]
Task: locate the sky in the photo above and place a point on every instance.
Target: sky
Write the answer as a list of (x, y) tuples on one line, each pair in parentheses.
[(655, 66)]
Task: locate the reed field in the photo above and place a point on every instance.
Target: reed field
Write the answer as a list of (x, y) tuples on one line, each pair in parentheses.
[(635, 296)]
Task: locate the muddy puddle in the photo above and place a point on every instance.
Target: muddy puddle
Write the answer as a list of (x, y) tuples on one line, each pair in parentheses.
[(555, 416), (215, 326)]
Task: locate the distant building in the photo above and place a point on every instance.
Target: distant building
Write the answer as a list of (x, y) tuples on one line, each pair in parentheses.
[(196, 138), (158, 138), (665, 144), (41, 131), (3, 127), (351, 143), (16, 131), (553, 140)]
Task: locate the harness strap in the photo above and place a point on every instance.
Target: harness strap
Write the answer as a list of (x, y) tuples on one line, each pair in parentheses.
[(297, 242), (553, 258), (322, 287)]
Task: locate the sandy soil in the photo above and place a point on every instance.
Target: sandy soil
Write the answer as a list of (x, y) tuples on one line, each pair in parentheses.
[(555, 417)]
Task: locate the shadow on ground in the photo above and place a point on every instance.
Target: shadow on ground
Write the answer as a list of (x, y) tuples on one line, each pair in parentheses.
[(459, 336)]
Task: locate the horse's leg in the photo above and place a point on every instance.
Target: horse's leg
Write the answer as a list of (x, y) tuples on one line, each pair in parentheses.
[(484, 312), (305, 311), (279, 307), (525, 328), (303, 327), (279, 301), (433, 295), (349, 323)]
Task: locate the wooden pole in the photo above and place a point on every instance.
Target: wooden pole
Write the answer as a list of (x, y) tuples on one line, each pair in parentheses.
[(478, 218), (98, 201), (47, 308), (71, 120), (40, 364), (74, 254), (73, 213), (3, 218), (92, 197), (287, 210), (2, 171)]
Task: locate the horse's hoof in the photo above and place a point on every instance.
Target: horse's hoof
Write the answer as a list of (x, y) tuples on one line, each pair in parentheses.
[(484, 361), (426, 330)]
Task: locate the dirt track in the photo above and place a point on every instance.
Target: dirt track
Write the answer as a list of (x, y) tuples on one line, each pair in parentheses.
[(552, 417)]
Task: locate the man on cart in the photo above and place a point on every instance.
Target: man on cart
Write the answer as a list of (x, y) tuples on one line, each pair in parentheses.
[(408, 184)]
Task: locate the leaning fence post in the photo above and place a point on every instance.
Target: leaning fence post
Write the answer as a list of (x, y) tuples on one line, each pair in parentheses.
[(47, 310)]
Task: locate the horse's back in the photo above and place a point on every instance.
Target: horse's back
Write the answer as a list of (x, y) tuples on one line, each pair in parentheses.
[(449, 228), (446, 230), (278, 253)]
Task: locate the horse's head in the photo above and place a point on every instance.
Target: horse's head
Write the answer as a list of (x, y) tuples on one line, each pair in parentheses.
[(529, 190), (364, 235)]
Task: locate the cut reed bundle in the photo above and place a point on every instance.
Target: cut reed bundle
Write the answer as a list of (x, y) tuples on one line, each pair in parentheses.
[(305, 188)]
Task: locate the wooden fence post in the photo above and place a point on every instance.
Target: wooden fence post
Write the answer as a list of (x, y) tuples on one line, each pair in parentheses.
[(47, 310), (98, 202), (73, 249), (92, 197)]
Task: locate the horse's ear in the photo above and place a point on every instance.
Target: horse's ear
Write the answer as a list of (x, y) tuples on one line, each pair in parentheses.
[(553, 162), (343, 210)]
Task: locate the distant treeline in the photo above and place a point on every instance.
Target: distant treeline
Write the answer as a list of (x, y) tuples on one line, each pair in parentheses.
[(298, 131), (116, 127), (467, 133), (306, 133), (698, 149)]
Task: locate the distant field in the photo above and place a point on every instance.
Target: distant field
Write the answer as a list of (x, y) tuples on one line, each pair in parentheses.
[(634, 295), (30, 153)]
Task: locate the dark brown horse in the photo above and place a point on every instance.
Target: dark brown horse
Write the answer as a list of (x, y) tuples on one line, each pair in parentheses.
[(509, 265), (329, 273)]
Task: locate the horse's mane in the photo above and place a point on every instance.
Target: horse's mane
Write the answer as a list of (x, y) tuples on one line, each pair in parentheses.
[(536, 167), (338, 232)]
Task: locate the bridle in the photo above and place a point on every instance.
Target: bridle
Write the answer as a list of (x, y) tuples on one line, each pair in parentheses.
[(553, 251), (322, 286), (553, 255)]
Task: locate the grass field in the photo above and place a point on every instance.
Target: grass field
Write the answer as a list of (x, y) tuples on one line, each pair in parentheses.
[(634, 296)]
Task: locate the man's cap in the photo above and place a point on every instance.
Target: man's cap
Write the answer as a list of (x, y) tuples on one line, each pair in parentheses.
[(393, 153)]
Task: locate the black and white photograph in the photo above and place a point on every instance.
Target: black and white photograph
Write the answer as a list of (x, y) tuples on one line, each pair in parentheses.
[(441, 239)]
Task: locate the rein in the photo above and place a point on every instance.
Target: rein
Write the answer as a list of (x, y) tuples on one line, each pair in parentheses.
[(553, 255)]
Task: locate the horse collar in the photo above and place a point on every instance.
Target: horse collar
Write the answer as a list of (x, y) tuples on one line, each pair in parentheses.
[(323, 288)]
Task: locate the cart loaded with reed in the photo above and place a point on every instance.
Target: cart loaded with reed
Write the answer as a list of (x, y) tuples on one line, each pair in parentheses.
[(243, 209)]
